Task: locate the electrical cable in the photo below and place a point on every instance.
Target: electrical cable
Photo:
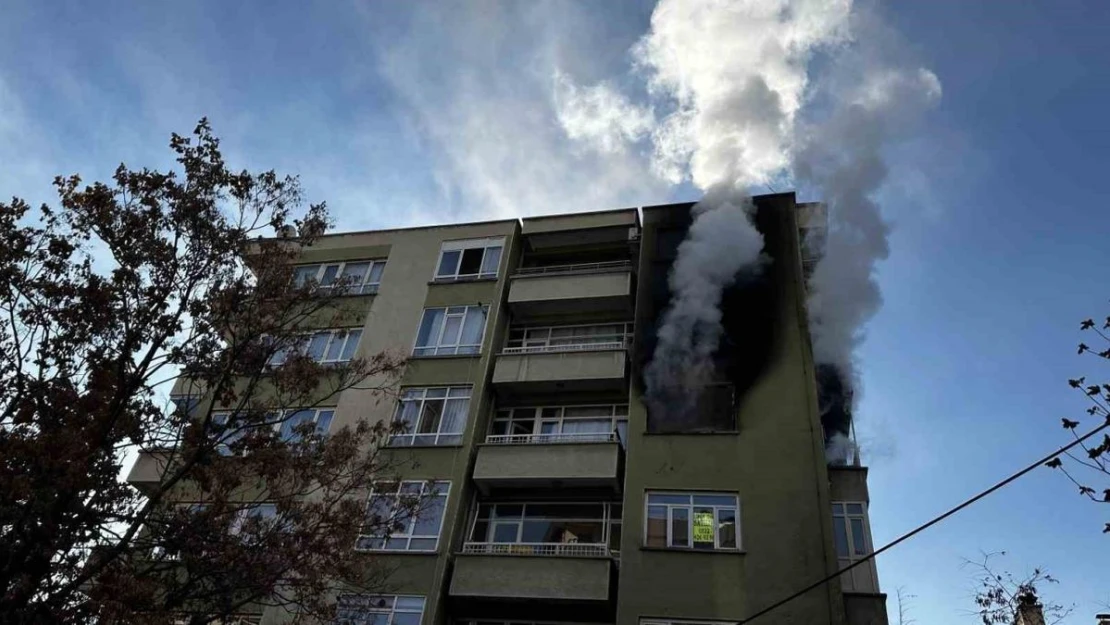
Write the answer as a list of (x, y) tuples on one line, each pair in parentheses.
[(921, 528)]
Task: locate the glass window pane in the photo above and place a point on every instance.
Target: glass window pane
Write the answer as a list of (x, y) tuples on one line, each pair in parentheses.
[(471, 263), (505, 532), (406, 618), (664, 498), (855, 508), (475, 323), (429, 517), (857, 537), (376, 272), (410, 603), (459, 392), (335, 347), (316, 345), (323, 421), (435, 393), (680, 527), (351, 345), (480, 534), (330, 272), (704, 528), (451, 331), (289, 428), (840, 537), (301, 275), (454, 416), (430, 327), (448, 263), (726, 528), (429, 420), (491, 260), (714, 500), (656, 527), (354, 274)]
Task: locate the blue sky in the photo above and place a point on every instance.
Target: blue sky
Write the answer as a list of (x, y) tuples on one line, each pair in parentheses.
[(398, 116)]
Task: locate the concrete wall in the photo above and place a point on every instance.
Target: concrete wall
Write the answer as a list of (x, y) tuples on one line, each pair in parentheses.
[(544, 465), (525, 577), (615, 285), (775, 463), (865, 608), (605, 367), (848, 484)]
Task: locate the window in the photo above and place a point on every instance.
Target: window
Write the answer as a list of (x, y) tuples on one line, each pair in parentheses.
[(230, 430), (328, 346), (569, 338), (380, 609), (852, 538), (432, 416), (413, 510), (293, 422), (264, 513), (353, 278), (692, 521), (469, 260), (596, 523), (655, 621), (550, 424), (451, 331)]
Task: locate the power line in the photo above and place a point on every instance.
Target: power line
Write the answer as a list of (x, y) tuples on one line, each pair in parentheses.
[(921, 528)]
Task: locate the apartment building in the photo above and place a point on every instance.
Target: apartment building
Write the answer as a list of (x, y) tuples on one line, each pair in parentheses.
[(559, 497)]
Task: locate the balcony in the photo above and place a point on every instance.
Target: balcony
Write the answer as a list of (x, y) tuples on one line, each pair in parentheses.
[(544, 359), (604, 287), (149, 467), (565, 573), (567, 460)]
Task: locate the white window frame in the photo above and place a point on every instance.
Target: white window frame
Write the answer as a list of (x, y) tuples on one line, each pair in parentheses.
[(608, 520), (862, 578), (369, 285), (618, 414), (426, 488), (689, 507), (529, 339), (461, 246), (266, 511), (440, 349), (335, 336), (378, 604), (220, 418), (420, 394)]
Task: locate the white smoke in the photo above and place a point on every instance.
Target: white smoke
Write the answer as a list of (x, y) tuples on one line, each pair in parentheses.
[(841, 450), (721, 242), (843, 157), (733, 76), (729, 80)]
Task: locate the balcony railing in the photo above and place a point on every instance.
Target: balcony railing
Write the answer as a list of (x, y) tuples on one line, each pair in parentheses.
[(542, 439), (573, 550), (579, 268), (617, 342)]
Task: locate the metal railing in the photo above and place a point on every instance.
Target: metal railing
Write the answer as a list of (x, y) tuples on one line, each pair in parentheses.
[(579, 550), (541, 439), (578, 268), (618, 342)]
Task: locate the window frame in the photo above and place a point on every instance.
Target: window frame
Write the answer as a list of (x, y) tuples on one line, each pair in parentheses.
[(279, 357), (527, 343), (221, 417), (840, 509), (616, 418), (423, 399), (367, 609), (444, 491), (436, 346), (461, 246), (690, 508), (366, 287), (607, 520)]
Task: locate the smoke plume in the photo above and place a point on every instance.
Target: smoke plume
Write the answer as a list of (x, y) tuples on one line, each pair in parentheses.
[(730, 88)]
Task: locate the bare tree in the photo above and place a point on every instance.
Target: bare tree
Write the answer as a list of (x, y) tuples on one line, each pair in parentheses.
[(160, 280), (1089, 471), (904, 599), (1001, 596)]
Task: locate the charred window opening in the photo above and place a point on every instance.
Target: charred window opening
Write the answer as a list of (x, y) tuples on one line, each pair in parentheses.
[(834, 400), (714, 411)]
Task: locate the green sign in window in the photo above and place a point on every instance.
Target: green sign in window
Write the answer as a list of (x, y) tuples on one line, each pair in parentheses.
[(703, 526)]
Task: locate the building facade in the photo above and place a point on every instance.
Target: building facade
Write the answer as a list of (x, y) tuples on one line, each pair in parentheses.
[(559, 498)]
